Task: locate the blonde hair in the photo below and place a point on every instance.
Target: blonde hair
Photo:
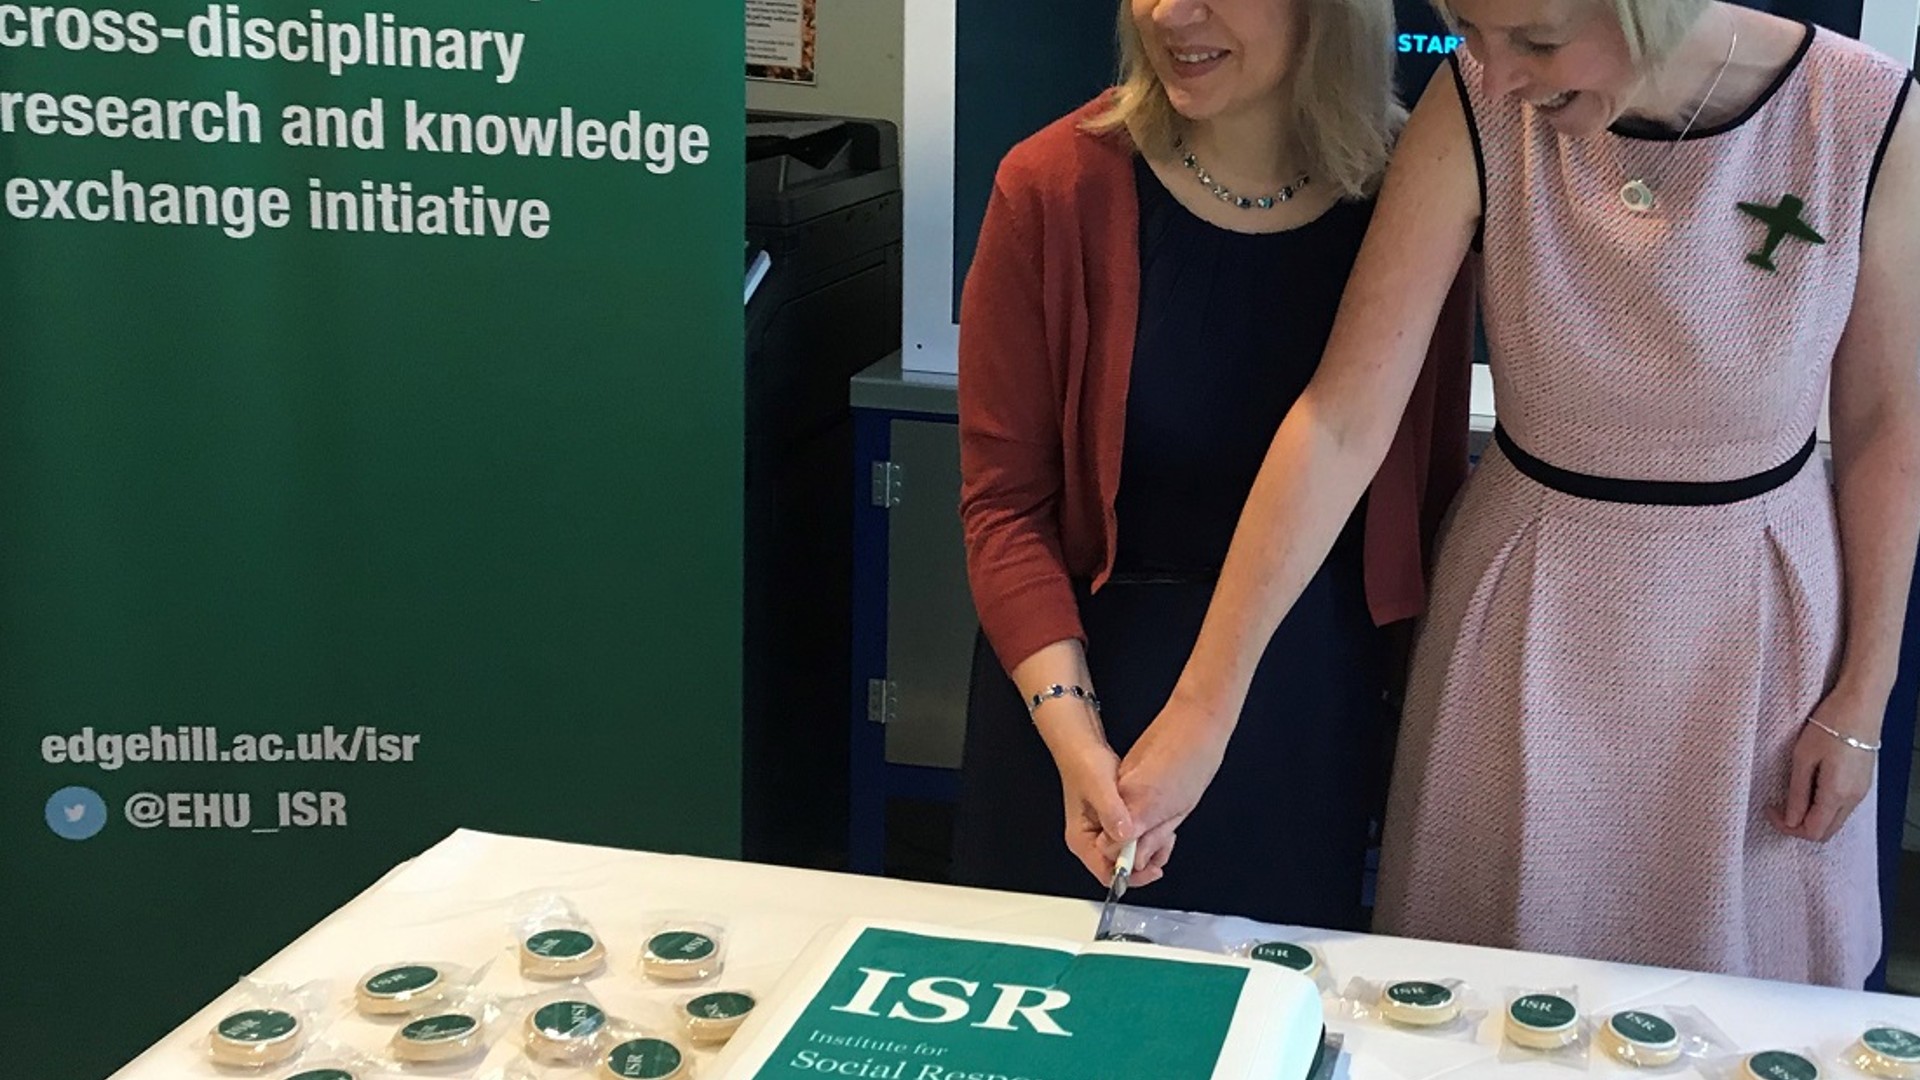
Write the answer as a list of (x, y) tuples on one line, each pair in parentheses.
[(1343, 111), (1653, 28)]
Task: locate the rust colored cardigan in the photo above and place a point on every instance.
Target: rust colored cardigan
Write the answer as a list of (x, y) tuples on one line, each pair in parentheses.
[(1047, 321)]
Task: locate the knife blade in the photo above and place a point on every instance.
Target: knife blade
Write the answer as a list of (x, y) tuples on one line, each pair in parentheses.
[(1122, 870)]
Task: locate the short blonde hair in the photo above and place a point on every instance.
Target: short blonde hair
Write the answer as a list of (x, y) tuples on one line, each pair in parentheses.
[(1344, 113), (1653, 28)]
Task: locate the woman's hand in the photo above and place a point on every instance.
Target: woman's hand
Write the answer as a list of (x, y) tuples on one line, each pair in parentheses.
[(1164, 776), (1097, 821), (1830, 778), (1070, 725), (1094, 809)]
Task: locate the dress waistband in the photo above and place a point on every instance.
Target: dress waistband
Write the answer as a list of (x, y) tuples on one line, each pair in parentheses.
[(1652, 492)]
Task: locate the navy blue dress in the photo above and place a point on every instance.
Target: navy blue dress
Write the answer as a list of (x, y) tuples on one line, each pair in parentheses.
[(1231, 328)]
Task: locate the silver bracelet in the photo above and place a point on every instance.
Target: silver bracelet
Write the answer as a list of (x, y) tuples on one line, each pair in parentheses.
[(1059, 691), (1869, 747)]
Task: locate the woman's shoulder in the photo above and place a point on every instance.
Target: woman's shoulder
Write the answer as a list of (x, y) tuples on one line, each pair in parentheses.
[(1840, 76), (1836, 56), (1065, 156)]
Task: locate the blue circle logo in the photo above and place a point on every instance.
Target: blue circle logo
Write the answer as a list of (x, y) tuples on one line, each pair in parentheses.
[(76, 813)]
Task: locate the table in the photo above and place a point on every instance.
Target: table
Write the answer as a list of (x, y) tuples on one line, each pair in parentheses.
[(451, 902)]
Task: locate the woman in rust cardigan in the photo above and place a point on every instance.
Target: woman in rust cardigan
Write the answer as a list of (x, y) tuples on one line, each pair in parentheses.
[(1155, 279)]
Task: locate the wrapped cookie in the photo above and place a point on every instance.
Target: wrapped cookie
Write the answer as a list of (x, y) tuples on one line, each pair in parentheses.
[(1303, 957), (1883, 1050), (642, 1054), (1775, 1064), (1658, 1038), (565, 1026), (451, 1037), (268, 1025), (1544, 1024), (710, 1019), (1435, 1008), (555, 942), (681, 948), (408, 986)]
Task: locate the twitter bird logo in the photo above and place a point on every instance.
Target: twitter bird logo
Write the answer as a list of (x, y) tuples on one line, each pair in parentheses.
[(76, 813)]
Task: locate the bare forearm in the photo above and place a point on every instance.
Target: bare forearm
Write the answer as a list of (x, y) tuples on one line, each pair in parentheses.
[(1878, 499), (1067, 722), (1307, 488)]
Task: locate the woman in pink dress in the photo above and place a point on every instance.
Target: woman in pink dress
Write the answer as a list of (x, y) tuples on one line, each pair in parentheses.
[(1646, 701)]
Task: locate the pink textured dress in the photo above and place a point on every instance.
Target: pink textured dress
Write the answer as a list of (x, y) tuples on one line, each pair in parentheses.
[(1606, 693)]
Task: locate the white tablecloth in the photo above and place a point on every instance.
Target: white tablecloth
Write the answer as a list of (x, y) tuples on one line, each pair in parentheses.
[(451, 903)]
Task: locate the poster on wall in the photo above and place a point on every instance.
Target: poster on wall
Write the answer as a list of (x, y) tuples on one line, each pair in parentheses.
[(370, 406), (780, 40)]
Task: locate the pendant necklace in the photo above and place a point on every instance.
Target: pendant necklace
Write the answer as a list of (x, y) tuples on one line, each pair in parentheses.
[(1637, 194)]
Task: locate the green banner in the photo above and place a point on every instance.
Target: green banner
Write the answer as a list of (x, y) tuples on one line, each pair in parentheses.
[(370, 405)]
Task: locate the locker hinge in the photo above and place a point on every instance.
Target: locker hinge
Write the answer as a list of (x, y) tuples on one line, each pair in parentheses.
[(886, 484), (883, 701)]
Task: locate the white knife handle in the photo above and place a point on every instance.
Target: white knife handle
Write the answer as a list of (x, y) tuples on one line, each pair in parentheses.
[(1123, 866)]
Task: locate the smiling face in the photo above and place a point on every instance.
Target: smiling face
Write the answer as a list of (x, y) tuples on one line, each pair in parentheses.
[(1568, 58), (1218, 57)]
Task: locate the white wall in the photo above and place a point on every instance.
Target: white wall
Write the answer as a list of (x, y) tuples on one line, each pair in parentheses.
[(857, 63), (1891, 26)]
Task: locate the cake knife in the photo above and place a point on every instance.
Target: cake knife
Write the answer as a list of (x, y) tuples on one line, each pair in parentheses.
[(1122, 870)]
